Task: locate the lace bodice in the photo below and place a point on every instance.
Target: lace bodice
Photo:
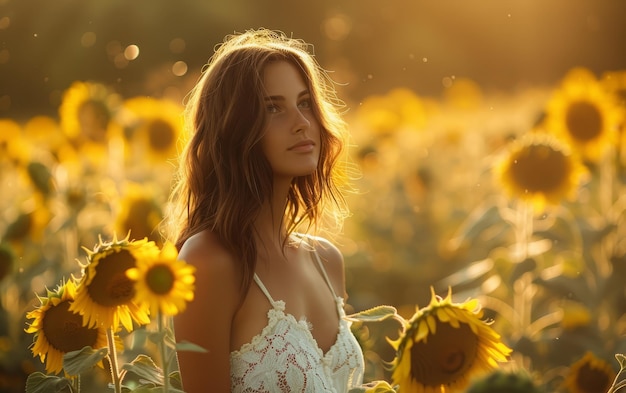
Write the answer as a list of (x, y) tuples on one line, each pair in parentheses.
[(285, 357)]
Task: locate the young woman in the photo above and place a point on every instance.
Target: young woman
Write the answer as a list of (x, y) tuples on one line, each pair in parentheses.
[(258, 177)]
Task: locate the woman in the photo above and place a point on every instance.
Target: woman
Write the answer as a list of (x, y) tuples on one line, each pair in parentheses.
[(257, 175)]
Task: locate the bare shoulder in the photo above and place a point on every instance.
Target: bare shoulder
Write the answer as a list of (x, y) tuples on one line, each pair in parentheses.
[(210, 257), (333, 261), (328, 251), (216, 269), (203, 244)]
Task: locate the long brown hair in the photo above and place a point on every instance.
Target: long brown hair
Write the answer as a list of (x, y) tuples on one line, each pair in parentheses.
[(223, 177)]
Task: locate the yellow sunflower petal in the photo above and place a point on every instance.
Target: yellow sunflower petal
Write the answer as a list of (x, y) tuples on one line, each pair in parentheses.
[(58, 331), (448, 345)]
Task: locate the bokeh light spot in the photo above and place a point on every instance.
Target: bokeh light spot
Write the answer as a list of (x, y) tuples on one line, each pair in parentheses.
[(5, 22), (131, 52), (337, 27), (88, 39), (177, 45), (179, 68)]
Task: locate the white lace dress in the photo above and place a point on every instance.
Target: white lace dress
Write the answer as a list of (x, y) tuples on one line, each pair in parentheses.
[(285, 357)]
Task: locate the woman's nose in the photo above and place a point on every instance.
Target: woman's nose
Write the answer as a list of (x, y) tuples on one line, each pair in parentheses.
[(301, 122)]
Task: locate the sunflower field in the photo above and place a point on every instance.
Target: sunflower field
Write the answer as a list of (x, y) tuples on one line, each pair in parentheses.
[(511, 204)]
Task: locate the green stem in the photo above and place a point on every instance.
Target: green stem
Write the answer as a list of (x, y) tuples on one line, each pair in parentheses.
[(76, 383), (607, 245), (115, 373), (523, 292), (163, 350)]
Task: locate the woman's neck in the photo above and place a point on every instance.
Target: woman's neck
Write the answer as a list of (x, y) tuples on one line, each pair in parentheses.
[(270, 223)]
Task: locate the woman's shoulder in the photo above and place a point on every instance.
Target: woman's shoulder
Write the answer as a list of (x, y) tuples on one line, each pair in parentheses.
[(332, 259), (202, 243), (206, 252), (327, 250)]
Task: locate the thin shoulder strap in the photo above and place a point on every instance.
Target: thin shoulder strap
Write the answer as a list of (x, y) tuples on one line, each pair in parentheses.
[(265, 291), (321, 265)]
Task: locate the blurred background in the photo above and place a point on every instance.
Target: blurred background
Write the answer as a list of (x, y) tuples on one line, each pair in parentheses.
[(444, 101), (371, 46)]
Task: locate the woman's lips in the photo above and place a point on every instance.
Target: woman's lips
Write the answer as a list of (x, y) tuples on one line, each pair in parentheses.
[(303, 146)]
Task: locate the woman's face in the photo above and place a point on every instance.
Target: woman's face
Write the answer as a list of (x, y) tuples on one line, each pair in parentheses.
[(291, 140)]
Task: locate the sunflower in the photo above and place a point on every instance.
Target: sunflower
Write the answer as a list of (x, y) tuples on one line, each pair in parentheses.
[(464, 94), (139, 213), (105, 295), (86, 111), (615, 83), (385, 114), (443, 345), (584, 114), (45, 132), (29, 225), (163, 283), (540, 169), (57, 330), (14, 148), (589, 375), (154, 126)]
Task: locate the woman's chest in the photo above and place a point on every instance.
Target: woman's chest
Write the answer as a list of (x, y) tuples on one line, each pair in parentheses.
[(306, 297)]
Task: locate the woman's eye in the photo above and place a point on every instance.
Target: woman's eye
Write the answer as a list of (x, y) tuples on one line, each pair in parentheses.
[(272, 109), (305, 104)]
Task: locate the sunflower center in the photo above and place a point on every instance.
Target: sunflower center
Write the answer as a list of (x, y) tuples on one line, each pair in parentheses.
[(583, 120), (110, 287), (592, 380), (160, 279), (540, 168), (64, 329), (445, 356), (160, 134), (94, 119)]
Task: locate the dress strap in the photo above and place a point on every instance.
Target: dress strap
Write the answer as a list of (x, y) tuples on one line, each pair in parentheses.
[(265, 291), (321, 265)]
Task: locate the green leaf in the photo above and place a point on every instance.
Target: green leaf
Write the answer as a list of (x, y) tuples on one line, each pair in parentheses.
[(38, 382), (176, 380), (189, 346), (574, 288), (76, 362), (475, 271), (375, 314), (482, 219), (145, 368), (41, 177), (156, 337)]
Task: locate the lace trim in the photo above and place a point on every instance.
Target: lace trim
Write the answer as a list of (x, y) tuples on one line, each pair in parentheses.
[(286, 356), (277, 313)]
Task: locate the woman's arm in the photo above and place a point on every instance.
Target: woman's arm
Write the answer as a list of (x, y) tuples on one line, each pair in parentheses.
[(207, 319)]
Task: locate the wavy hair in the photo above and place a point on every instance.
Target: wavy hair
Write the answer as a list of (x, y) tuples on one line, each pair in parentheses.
[(224, 177)]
